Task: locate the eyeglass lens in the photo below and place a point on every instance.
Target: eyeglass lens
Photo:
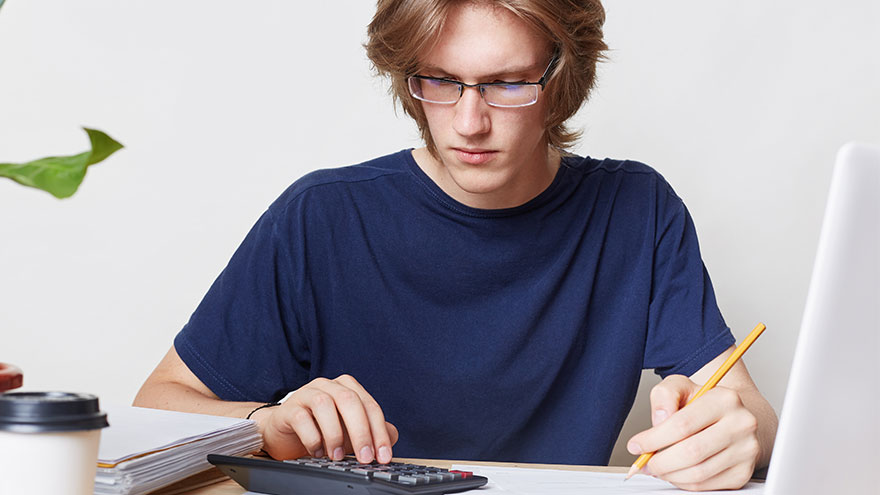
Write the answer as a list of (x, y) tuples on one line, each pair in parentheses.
[(448, 92)]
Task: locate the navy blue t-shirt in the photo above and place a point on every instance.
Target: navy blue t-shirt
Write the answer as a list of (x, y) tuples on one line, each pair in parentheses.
[(510, 335)]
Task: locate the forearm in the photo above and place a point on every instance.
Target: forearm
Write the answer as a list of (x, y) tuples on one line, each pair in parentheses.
[(174, 387), (180, 397)]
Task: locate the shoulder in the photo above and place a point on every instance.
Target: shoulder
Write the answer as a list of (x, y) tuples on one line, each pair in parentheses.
[(352, 182), (610, 169), (632, 181)]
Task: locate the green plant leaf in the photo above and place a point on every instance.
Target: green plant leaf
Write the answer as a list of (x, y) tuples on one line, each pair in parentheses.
[(61, 175)]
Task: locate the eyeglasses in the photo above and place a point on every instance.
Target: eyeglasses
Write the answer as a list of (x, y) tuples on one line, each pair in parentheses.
[(496, 94)]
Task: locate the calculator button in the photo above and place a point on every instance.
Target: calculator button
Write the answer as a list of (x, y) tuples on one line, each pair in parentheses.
[(385, 475), (407, 480), (412, 480)]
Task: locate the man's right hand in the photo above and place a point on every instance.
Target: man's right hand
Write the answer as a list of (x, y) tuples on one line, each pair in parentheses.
[(327, 418), (323, 417)]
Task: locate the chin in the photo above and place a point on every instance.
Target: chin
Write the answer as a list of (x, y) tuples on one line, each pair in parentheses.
[(479, 181)]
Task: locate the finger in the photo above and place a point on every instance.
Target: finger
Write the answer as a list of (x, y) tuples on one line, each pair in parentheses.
[(669, 396), (292, 433), (322, 404), (690, 452), (351, 410), (734, 433), (732, 478), (379, 445), (346, 418), (393, 434), (699, 415), (308, 432)]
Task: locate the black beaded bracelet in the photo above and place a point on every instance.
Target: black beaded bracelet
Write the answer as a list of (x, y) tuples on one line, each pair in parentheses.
[(270, 404)]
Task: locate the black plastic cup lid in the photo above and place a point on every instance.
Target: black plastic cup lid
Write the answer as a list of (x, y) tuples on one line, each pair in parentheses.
[(38, 412)]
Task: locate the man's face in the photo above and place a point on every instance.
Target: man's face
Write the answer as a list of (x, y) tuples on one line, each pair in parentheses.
[(488, 157)]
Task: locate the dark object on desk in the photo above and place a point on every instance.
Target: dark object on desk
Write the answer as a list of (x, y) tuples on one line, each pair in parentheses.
[(316, 476), (50, 412), (10, 376)]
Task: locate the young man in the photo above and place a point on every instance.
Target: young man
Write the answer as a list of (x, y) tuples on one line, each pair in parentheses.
[(491, 295)]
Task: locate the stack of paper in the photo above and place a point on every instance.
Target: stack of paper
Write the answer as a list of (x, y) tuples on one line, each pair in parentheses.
[(146, 449)]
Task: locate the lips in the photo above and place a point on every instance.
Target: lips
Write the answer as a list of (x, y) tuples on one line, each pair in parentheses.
[(474, 156)]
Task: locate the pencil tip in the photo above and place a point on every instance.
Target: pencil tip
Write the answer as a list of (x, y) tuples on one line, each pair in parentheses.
[(632, 470)]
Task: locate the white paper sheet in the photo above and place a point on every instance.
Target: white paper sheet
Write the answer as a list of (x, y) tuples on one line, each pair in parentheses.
[(523, 481), (135, 431), (146, 449)]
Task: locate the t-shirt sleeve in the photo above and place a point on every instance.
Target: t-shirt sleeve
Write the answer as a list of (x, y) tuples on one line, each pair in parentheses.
[(243, 340), (685, 326)]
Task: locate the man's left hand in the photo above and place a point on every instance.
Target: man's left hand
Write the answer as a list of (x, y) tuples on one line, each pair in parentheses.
[(711, 444)]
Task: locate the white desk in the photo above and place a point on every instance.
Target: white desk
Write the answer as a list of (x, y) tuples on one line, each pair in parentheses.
[(229, 487)]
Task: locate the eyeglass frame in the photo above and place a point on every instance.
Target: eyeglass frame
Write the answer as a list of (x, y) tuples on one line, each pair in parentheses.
[(542, 82)]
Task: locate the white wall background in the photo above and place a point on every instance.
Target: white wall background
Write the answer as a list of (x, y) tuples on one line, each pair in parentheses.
[(740, 104)]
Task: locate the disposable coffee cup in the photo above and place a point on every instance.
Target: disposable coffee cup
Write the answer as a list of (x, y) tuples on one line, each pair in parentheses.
[(49, 443)]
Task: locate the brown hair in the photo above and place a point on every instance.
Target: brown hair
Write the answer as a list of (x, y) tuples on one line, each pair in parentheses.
[(404, 30)]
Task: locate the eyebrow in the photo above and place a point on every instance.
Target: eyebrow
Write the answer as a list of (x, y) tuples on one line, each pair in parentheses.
[(509, 71)]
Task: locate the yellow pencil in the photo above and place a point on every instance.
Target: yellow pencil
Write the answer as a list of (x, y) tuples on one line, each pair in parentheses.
[(709, 385)]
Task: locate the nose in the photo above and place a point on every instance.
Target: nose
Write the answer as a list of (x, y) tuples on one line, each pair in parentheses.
[(471, 114)]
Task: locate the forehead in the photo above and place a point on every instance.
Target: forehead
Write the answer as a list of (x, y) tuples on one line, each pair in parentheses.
[(481, 39)]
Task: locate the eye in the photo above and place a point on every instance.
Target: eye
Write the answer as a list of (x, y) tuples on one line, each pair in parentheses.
[(511, 88), (439, 83)]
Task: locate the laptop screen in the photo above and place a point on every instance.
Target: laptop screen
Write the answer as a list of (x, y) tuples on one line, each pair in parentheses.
[(829, 430)]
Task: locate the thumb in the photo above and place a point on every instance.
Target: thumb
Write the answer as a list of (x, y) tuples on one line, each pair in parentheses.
[(669, 396)]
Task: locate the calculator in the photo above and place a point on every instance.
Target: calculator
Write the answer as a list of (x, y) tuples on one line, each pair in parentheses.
[(318, 476)]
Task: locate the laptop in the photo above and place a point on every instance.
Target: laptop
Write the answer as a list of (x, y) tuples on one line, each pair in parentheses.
[(829, 430)]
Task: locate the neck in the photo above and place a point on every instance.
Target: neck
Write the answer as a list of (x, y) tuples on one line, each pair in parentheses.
[(508, 186)]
